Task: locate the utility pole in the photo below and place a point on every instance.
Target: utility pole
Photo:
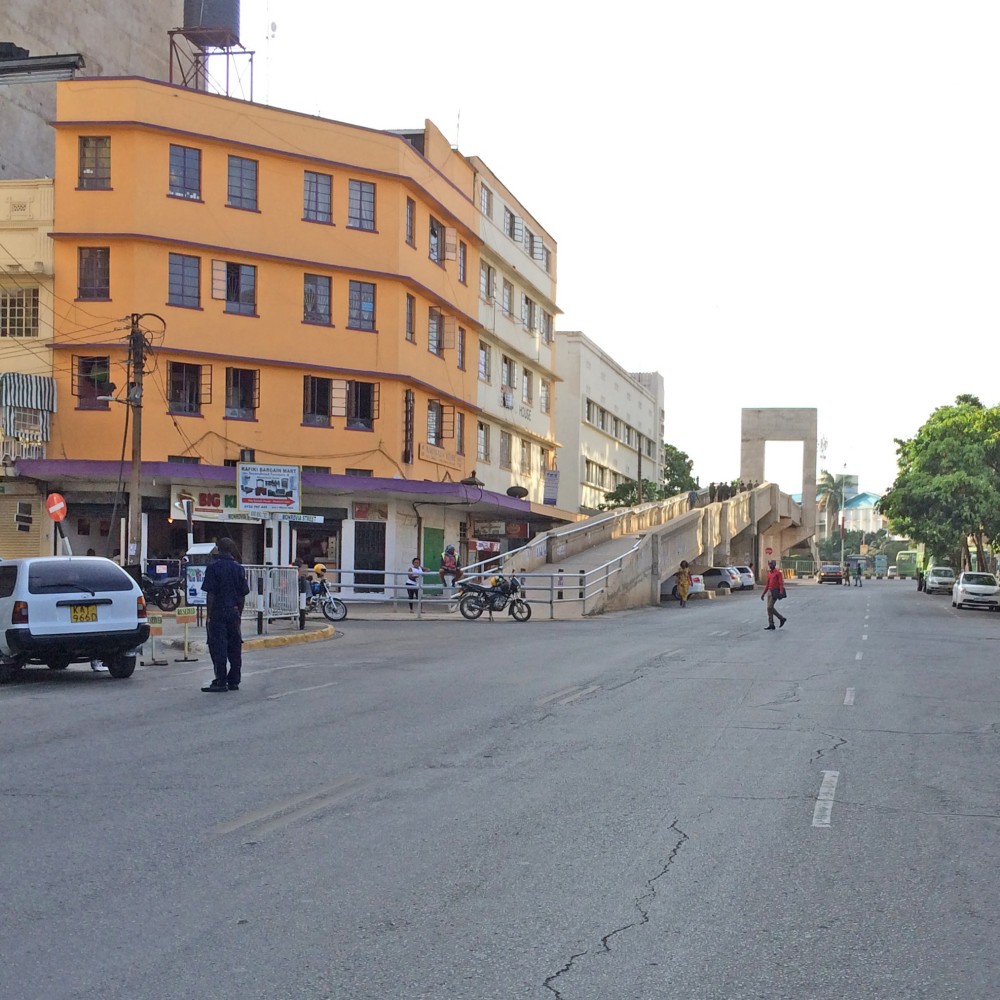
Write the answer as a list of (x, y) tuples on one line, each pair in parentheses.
[(136, 363)]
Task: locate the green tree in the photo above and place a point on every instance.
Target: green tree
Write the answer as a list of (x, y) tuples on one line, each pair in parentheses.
[(947, 488), (677, 476), (829, 496), (626, 495)]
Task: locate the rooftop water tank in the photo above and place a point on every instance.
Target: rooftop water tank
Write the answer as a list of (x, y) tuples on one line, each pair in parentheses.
[(212, 24)]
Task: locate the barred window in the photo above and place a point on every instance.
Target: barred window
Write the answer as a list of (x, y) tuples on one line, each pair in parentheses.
[(18, 312), (94, 273), (184, 281), (242, 183), (361, 205), (316, 399), (185, 172), (316, 299), (361, 306), (95, 163), (317, 197)]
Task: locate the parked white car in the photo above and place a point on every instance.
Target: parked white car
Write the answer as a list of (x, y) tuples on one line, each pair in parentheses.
[(721, 578), (976, 590), (668, 589), (939, 580), (59, 610), (747, 580)]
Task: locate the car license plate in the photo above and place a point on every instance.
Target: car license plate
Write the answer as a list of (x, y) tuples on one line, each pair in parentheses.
[(83, 613)]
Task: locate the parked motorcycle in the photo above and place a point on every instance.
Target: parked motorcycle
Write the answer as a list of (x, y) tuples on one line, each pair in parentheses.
[(165, 594), (320, 599), (503, 592)]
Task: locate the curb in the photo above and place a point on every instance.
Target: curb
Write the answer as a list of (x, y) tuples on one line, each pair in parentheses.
[(262, 641)]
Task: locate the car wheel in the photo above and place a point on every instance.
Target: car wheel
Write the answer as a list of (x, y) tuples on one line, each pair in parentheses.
[(58, 664), (121, 665), (722, 587)]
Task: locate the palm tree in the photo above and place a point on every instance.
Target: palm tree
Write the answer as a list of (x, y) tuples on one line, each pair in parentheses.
[(829, 496)]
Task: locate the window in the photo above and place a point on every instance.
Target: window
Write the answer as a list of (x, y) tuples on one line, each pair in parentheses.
[(486, 201), (508, 372), (362, 405), (511, 225), (435, 241), (185, 172), (91, 379), (506, 442), (487, 281), (411, 222), (184, 287), (95, 163), (316, 468), (544, 395), (363, 473), (237, 284), (18, 312), (434, 331), (242, 393), (529, 315), (411, 319), (527, 388), (242, 183), (185, 390), (361, 205), (184, 459), (317, 197), (361, 306), (525, 457), (435, 423), (409, 416), (460, 433), (463, 262), (483, 441), (316, 299), (461, 348), (546, 327), (94, 273), (529, 241), (507, 297), (316, 396), (547, 260), (485, 362)]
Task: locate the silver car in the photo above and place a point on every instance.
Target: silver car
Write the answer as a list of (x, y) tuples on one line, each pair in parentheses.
[(976, 590), (939, 580)]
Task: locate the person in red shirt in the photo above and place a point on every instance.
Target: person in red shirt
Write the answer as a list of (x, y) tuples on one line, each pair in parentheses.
[(775, 585)]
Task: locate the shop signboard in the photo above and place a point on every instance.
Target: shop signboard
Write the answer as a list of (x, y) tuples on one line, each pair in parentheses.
[(268, 489), (207, 503), (551, 491), (491, 529)]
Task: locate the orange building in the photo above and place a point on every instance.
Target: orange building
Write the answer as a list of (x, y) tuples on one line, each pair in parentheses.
[(308, 293)]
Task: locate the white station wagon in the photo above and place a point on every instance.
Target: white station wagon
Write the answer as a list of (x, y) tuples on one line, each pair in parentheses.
[(59, 610)]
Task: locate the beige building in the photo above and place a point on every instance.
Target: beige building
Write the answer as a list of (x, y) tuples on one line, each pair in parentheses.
[(515, 432), (609, 423)]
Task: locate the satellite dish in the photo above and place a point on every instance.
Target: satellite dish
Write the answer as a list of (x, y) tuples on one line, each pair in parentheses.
[(519, 492)]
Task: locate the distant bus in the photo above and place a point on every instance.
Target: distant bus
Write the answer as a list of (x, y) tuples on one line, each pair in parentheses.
[(906, 564)]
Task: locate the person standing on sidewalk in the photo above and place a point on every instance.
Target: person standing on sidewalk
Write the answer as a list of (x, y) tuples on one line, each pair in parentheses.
[(226, 585), (683, 583), (414, 578), (774, 587)]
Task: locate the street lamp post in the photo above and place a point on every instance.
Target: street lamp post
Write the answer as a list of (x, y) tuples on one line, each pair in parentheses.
[(843, 513)]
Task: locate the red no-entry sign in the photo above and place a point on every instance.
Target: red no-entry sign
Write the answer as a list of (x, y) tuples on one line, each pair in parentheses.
[(55, 504)]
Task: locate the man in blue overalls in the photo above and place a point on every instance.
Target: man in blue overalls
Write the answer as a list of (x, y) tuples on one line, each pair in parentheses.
[(226, 585)]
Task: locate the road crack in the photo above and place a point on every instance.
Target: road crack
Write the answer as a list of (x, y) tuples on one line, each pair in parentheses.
[(839, 741), (642, 904)]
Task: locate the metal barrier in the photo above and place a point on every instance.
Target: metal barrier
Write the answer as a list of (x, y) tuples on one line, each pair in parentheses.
[(274, 594)]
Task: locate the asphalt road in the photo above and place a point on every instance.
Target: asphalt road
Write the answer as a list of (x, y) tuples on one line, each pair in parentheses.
[(664, 803)]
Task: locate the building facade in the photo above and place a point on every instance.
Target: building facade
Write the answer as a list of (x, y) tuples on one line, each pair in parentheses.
[(609, 423), (306, 294)]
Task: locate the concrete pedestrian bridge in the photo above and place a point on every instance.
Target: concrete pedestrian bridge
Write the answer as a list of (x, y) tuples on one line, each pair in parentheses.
[(618, 559)]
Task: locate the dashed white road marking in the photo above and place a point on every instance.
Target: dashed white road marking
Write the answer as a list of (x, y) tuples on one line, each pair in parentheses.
[(720, 632), (864, 637), (824, 799), (580, 694), (285, 694), (849, 697), (558, 695), (858, 656)]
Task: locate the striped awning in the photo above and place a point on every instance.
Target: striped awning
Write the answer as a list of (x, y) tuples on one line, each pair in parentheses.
[(26, 392)]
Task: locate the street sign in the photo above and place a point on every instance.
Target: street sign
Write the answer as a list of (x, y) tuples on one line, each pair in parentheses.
[(304, 518), (55, 504), (186, 614), (23, 518), (268, 488)]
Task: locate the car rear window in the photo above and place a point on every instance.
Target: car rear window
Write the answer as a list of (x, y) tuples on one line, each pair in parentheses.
[(67, 577), (8, 577), (941, 571), (983, 579)]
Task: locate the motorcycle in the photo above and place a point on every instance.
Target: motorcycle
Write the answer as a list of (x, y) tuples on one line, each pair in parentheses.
[(165, 594), (503, 592), (320, 599)]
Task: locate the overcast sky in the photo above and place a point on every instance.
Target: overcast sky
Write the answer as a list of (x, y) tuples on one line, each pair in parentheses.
[(771, 203)]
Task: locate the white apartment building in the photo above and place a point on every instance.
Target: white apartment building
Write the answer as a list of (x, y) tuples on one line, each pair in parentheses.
[(609, 423), (515, 433)]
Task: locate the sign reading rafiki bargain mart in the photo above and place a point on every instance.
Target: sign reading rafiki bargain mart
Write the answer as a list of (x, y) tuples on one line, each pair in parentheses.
[(271, 489)]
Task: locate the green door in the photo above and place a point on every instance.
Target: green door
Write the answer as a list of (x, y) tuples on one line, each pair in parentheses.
[(431, 558)]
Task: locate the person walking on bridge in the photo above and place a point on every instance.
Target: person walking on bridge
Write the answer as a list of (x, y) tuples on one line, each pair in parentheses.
[(774, 590)]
